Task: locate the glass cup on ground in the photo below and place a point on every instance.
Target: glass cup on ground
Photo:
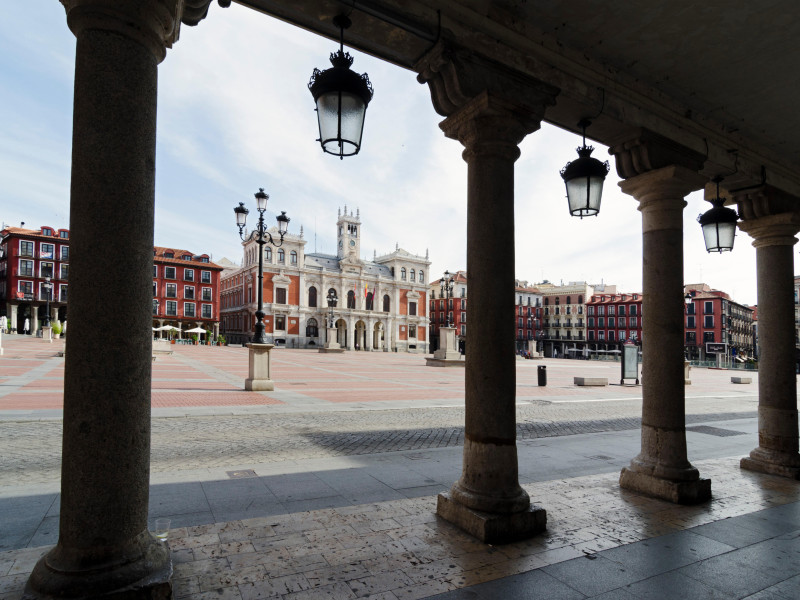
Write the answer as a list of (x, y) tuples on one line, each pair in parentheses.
[(162, 529)]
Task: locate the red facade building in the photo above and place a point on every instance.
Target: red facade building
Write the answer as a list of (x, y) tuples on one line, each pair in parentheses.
[(186, 290), (611, 319), (185, 285), (714, 324), (29, 260)]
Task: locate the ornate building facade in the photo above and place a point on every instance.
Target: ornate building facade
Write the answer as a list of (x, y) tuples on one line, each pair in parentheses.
[(380, 304)]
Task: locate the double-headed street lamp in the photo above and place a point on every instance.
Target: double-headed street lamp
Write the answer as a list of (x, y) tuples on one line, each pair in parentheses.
[(261, 236), (48, 288), (447, 284)]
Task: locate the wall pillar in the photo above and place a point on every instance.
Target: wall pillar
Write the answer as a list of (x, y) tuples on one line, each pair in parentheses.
[(104, 548), (662, 468), (777, 451), (489, 109), (12, 312)]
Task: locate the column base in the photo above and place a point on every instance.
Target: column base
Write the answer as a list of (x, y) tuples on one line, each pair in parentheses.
[(152, 574), (492, 528), (679, 492), (752, 464), (337, 350)]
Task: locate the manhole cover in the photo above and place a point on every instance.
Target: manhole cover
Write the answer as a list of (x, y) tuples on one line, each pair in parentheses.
[(715, 431), (415, 456), (241, 474)]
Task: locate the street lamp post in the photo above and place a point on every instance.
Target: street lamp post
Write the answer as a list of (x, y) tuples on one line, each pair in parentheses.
[(48, 286), (331, 305), (259, 369), (261, 236), (447, 293)]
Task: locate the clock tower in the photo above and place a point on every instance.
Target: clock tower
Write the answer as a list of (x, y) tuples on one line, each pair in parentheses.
[(349, 234)]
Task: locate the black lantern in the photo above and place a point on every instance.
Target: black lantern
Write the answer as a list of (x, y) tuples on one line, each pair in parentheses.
[(342, 97), (719, 224), (584, 179)]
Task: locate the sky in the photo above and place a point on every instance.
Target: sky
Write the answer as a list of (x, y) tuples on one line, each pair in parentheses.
[(235, 115)]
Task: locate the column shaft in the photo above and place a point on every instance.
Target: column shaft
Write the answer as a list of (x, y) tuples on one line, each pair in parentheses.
[(104, 545), (777, 450), (662, 468)]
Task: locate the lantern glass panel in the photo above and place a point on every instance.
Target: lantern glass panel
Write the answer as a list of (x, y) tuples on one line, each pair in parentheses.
[(261, 201), (719, 236), (352, 122), (584, 195), (241, 218)]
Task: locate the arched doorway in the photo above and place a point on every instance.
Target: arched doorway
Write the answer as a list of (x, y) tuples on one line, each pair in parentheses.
[(341, 333), (361, 336), (378, 338)]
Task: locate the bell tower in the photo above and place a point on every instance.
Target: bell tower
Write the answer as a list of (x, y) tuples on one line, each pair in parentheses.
[(349, 234)]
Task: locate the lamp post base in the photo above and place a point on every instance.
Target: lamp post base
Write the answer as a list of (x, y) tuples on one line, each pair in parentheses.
[(259, 368)]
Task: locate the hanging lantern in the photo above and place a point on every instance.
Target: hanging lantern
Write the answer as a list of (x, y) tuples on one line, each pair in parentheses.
[(719, 224), (342, 96), (584, 180)]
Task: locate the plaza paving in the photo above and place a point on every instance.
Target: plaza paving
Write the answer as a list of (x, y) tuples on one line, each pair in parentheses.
[(325, 488)]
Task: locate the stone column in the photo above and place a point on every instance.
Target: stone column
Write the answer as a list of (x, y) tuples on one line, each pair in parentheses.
[(777, 451), (489, 109), (662, 468), (34, 319), (12, 321), (104, 548)]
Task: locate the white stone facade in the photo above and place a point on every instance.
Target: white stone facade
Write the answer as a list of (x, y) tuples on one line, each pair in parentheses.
[(381, 304)]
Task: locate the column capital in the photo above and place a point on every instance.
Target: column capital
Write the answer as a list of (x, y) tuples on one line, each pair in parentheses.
[(153, 23), (646, 151), (667, 184), (772, 230), (467, 87), (490, 125)]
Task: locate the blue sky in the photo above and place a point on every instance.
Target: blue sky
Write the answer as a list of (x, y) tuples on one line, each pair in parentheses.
[(235, 114)]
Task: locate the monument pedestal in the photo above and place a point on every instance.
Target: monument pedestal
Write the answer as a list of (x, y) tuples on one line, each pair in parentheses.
[(332, 345), (447, 355), (259, 368)]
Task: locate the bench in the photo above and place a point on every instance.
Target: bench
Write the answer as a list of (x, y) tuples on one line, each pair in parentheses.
[(741, 380), (590, 381)]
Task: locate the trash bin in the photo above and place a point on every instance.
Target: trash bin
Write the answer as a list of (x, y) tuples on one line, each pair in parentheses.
[(541, 371)]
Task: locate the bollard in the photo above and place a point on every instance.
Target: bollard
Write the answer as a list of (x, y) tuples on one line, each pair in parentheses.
[(541, 371)]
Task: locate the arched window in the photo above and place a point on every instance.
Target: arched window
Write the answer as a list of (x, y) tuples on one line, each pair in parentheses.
[(421, 276), (403, 274), (312, 297), (312, 329), (386, 303), (293, 257), (413, 278), (569, 300), (351, 299), (281, 256), (369, 300), (268, 254)]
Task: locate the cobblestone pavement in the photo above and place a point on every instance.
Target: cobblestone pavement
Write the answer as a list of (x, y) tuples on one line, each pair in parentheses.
[(351, 404)]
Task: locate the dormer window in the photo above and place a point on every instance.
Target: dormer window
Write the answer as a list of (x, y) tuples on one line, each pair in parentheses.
[(187, 257), (47, 231), (169, 255)]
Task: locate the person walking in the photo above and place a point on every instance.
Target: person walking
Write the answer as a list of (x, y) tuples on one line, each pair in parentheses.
[(26, 326)]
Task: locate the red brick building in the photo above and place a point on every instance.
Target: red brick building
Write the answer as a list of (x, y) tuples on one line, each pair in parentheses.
[(28, 257), (186, 290), (611, 319), (715, 324)]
